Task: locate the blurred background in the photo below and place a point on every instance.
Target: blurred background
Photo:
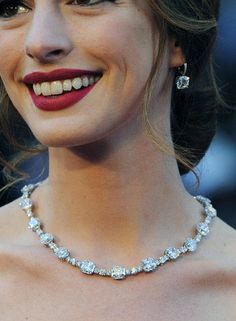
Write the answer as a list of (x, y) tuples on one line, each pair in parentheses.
[(217, 170)]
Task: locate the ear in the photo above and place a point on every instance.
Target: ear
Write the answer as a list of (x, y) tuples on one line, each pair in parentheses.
[(177, 57)]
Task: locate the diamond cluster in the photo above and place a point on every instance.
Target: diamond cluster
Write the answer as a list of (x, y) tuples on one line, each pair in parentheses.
[(117, 272)]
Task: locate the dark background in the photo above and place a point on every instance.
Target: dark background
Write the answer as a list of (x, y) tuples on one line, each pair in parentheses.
[(218, 168)]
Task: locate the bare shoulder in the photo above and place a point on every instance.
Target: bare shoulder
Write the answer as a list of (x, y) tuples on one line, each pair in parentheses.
[(11, 221), (218, 273), (226, 236), (222, 244), (206, 279), (10, 228), (14, 235)]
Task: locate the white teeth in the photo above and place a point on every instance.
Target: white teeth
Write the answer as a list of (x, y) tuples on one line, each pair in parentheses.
[(46, 89), (91, 80), (77, 83), (57, 87), (67, 85), (37, 89), (85, 81)]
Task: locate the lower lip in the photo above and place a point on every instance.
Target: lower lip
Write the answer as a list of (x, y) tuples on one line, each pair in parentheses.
[(59, 102)]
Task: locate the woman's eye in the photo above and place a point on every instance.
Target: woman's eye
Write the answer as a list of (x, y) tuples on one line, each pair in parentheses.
[(90, 2), (10, 8)]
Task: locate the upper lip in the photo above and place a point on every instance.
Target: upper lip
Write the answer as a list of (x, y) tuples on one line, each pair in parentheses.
[(59, 74)]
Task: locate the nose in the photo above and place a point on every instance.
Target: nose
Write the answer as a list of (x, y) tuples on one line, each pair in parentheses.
[(47, 40)]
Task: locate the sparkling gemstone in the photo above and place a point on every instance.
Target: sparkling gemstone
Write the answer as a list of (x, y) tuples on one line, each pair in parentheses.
[(62, 253), (208, 220), (203, 228), (39, 231), (46, 238), (53, 246), (29, 213), (102, 272), (78, 263), (191, 245), (27, 188), (203, 200), (163, 259), (172, 253), (24, 189), (34, 223), (198, 238), (87, 267), (73, 261), (25, 203), (118, 272), (183, 249), (211, 211), (149, 264), (182, 82), (128, 272), (133, 270), (139, 268)]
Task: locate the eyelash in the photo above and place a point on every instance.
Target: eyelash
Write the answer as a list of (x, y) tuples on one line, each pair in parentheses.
[(13, 4), (97, 2)]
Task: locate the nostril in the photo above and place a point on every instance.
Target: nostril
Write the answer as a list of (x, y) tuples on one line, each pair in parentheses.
[(56, 52)]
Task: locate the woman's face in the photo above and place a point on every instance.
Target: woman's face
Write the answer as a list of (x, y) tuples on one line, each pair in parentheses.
[(113, 37)]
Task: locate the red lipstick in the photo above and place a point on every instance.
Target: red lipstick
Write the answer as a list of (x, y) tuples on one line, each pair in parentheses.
[(66, 99)]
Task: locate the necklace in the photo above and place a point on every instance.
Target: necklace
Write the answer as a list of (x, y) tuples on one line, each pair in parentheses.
[(116, 272)]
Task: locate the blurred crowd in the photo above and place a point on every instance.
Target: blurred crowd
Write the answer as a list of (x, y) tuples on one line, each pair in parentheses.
[(217, 170)]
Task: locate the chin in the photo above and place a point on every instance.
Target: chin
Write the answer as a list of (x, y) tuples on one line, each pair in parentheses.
[(79, 136)]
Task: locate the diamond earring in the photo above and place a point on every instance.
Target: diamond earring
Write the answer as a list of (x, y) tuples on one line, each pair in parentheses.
[(182, 82)]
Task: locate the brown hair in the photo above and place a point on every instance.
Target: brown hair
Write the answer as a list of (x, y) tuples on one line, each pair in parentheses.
[(193, 111)]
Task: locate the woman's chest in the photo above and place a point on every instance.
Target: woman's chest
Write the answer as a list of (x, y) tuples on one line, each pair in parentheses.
[(38, 298)]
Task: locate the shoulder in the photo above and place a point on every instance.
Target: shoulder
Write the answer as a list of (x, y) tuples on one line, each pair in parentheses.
[(11, 221), (222, 244), (218, 275), (14, 235), (207, 278), (226, 239)]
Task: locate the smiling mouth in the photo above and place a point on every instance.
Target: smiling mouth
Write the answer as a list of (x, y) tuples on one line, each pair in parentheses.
[(61, 94), (61, 87)]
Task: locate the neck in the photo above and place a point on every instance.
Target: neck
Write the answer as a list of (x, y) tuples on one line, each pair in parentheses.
[(115, 199)]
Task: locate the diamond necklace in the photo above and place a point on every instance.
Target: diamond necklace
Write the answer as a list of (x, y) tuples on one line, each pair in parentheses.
[(116, 272)]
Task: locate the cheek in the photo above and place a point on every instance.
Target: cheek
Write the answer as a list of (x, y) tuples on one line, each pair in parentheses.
[(122, 41), (11, 51), (13, 55)]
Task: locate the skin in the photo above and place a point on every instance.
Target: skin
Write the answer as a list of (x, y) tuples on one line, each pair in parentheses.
[(111, 193)]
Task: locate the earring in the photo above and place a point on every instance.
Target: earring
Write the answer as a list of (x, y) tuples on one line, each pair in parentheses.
[(182, 82)]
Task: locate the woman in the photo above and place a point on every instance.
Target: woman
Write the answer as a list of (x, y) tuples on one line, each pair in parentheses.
[(85, 76)]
